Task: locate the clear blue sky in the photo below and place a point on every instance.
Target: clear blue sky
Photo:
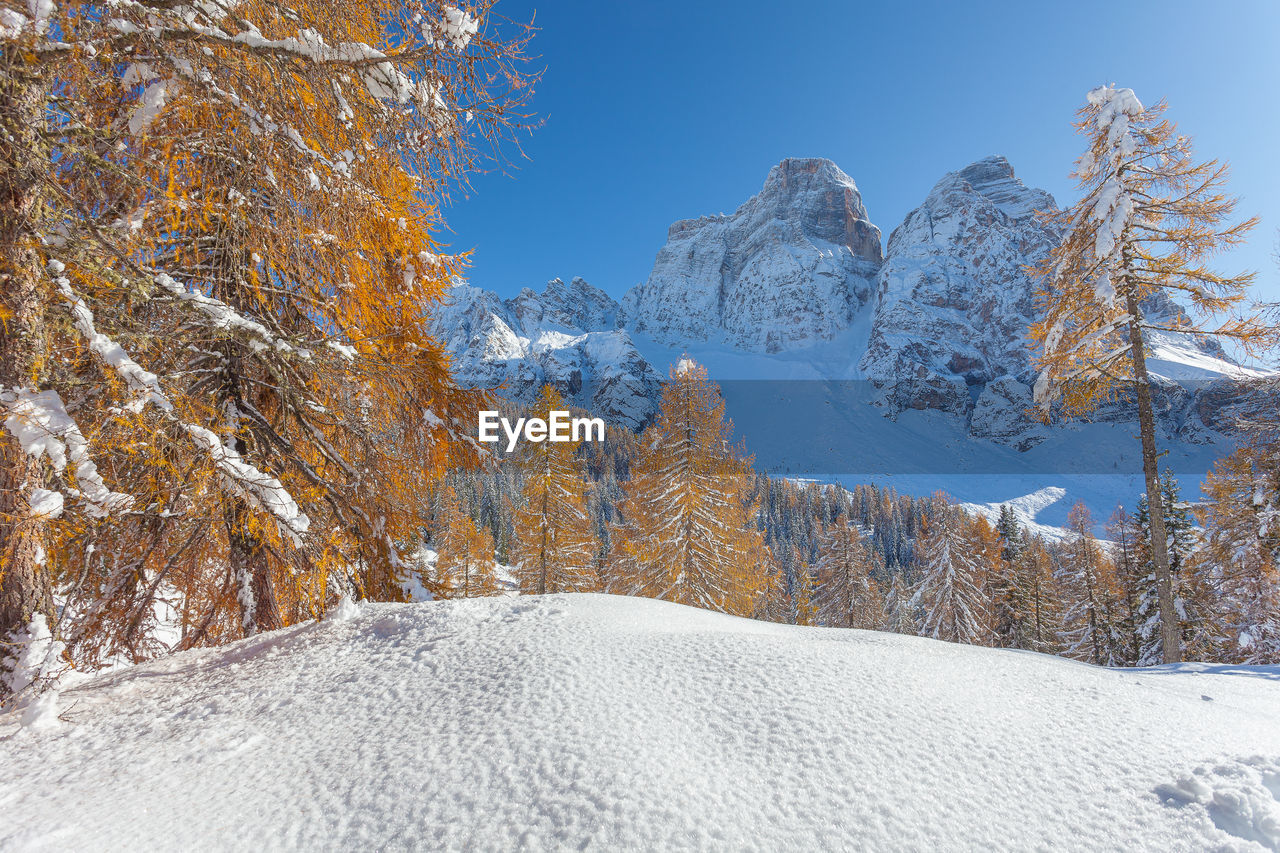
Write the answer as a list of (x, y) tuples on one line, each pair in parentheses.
[(657, 111)]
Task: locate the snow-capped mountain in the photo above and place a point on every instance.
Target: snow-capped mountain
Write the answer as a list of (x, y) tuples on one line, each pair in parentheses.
[(566, 336), (790, 268), (914, 363)]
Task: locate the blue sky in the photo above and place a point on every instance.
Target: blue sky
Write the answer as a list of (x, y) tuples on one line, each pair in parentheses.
[(658, 111)]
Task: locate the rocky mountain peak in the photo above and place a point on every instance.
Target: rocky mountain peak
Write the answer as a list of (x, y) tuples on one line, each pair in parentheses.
[(816, 195), (576, 306), (994, 179), (789, 268)]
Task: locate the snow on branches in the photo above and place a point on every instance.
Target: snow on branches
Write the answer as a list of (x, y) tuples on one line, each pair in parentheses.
[(40, 423)]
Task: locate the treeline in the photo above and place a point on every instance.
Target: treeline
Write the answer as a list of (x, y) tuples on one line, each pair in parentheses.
[(676, 513)]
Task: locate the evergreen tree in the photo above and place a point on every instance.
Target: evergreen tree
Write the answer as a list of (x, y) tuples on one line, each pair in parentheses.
[(1194, 599), (900, 610), (951, 592), (1125, 535)]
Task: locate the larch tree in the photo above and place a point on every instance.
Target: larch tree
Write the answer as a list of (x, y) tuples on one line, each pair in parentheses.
[(1087, 578), (1149, 218), (1242, 536), (848, 596), (686, 531), (951, 594), (1036, 608), (236, 194), (555, 546), (464, 563)]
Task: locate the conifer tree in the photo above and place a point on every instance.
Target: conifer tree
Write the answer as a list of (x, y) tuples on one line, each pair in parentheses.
[(951, 592), (1242, 536), (1035, 607), (464, 565), (1149, 218), (1195, 606), (554, 546), (847, 596), (900, 610), (687, 533), (1088, 582), (1125, 535), (334, 122)]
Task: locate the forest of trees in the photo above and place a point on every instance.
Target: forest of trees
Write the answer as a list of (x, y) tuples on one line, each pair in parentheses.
[(646, 509), (223, 413)]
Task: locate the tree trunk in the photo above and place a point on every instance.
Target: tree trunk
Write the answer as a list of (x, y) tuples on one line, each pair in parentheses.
[(247, 553), (25, 587), (259, 609), (1169, 631)]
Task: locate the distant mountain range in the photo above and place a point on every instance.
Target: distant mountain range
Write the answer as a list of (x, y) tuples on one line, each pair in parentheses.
[(917, 350)]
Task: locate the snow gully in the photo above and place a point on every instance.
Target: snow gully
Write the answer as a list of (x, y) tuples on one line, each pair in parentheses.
[(559, 426)]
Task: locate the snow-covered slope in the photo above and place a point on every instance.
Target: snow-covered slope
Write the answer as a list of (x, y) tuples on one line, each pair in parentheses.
[(603, 723), (567, 336)]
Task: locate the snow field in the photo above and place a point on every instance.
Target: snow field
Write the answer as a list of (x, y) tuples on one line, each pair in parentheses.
[(598, 722)]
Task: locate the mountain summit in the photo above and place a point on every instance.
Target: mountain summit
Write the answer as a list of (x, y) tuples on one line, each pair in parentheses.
[(788, 269)]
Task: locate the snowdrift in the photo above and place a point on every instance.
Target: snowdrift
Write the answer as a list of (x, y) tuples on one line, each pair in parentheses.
[(598, 722)]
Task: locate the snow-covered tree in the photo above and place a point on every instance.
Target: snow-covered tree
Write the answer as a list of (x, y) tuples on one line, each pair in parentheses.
[(198, 187), (1125, 535), (1195, 599), (1242, 540), (555, 547), (687, 533), (951, 593), (847, 595), (1090, 624), (1149, 217)]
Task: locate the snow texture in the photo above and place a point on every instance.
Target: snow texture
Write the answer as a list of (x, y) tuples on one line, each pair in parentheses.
[(598, 722)]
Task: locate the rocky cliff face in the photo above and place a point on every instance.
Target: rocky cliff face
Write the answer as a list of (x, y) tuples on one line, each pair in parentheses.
[(567, 336), (788, 269), (953, 301)]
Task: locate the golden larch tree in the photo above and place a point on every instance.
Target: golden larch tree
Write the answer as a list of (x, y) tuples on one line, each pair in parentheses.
[(1149, 218), (464, 563), (847, 595), (555, 547), (687, 533)]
